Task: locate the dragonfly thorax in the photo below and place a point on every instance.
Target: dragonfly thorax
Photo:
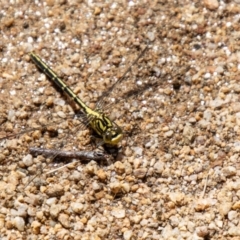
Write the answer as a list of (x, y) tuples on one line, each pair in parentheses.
[(110, 132)]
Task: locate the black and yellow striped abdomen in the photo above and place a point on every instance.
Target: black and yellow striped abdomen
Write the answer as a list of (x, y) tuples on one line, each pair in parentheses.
[(110, 132)]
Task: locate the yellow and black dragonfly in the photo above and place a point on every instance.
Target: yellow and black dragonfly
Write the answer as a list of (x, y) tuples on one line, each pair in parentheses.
[(107, 130)]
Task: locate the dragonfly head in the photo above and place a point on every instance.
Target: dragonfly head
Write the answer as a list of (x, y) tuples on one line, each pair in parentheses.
[(113, 135)]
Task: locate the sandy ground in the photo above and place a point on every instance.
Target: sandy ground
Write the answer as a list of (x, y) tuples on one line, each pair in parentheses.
[(177, 176)]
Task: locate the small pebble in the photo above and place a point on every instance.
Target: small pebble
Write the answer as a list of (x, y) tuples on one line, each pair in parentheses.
[(118, 213), (202, 204), (55, 190), (234, 231), (168, 134), (211, 4), (28, 160), (232, 215), (224, 208), (229, 171), (39, 215), (64, 220), (140, 172), (151, 36), (138, 151), (159, 167), (115, 187), (51, 201), (119, 166), (19, 223), (236, 205), (177, 197), (127, 235), (77, 207), (36, 227), (202, 231), (55, 210), (101, 174), (2, 221), (76, 176)]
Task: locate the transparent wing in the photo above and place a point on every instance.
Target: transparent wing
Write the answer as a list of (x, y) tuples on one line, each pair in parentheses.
[(117, 101), (104, 98)]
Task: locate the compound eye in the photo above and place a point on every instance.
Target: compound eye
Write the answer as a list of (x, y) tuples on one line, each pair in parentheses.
[(117, 130), (108, 136)]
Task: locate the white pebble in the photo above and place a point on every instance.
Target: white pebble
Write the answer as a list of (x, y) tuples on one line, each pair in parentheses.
[(118, 213), (51, 201), (55, 210), (19, 223), (127, 235), (96, 186), (22, 210), (169, 133), (224, 208), (228, 24), (219, 223), (207, 75), (159, 167), (138, 151), (176, 197), (30, 40), (151, 36), (61, 114), (232, 215), (28, 160), (77, 207), (229, 171), (59, 102), (234, 231), (219, 69)]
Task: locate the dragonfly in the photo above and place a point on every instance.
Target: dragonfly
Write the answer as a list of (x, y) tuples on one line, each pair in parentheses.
[(106, 130)]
